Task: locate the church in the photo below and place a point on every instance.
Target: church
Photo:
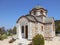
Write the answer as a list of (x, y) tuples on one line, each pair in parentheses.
[(36, 22)]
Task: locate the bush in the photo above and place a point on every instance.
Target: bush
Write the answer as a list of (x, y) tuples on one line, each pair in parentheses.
[(1, 38), (38, 40), (4, 36)]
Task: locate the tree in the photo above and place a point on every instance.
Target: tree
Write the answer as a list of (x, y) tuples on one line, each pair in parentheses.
[(2, 31), (10, 32), (14, 30)]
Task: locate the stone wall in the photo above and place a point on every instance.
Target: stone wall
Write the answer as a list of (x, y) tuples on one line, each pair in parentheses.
[(40, 30), (32, 30), (36, 28), (48, 30)]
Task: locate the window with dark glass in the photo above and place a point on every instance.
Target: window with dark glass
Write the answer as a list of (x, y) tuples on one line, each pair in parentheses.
[(22, 29), (42, 28)]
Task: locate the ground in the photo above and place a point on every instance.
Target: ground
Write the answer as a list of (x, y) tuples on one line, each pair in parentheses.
[(55, 41)]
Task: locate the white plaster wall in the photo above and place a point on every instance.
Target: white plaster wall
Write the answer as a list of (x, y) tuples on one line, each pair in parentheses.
[(17, 30), (19, 35)]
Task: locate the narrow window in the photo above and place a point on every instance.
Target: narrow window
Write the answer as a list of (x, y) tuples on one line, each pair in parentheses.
[(22, 29), (26, 31), (42, 28)]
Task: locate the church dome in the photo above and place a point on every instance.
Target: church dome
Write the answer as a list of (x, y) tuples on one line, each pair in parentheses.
[(38, 11), (38, 7)]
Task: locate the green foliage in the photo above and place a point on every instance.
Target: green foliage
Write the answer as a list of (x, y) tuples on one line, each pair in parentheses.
[(57, 26), (2, 31), (14, 30), (4, 36), (10, 32), (38, 40), (1, 38)]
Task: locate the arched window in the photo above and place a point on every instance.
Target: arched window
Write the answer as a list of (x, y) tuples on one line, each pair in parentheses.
[(22, 28)]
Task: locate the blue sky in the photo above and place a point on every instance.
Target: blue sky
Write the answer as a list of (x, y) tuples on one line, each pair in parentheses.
[(11, 10)]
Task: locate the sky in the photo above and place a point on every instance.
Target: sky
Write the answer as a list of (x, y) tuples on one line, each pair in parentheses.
[(11, 10)]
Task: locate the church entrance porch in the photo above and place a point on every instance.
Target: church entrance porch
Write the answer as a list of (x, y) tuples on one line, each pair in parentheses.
[(24, 30)]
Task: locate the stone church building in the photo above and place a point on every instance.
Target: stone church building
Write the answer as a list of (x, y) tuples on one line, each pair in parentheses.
[(36, 22)]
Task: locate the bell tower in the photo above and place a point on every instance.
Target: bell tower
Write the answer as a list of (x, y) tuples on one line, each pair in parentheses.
[(38, 11)]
